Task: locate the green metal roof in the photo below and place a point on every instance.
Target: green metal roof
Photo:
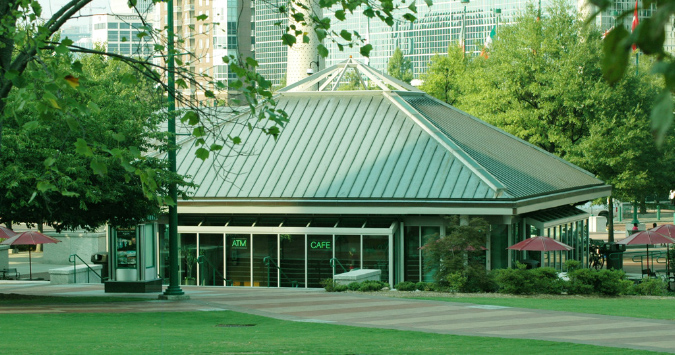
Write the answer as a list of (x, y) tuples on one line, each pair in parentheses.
[(378, 145)]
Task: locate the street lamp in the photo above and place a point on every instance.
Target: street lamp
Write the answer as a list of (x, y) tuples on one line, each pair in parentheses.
[(465, 2), (174, 287)]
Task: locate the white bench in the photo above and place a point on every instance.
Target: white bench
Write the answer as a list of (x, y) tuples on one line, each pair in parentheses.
[(357, 276)]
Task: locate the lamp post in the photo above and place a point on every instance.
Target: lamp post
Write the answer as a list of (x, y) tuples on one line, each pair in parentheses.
[(465, 2), (174, 285)]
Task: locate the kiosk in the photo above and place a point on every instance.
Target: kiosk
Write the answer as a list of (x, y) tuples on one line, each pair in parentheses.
[(132, 261)]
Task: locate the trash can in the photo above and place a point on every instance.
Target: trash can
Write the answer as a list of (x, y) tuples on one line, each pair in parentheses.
[(614, 255), (101, 259)]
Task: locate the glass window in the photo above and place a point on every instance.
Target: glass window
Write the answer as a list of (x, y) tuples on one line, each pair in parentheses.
[(113, 36), (124, 25), (211, 260), (238, 259), (112, 25)]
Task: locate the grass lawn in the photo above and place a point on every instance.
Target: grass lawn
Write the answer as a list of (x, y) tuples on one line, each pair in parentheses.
[(641, 307), (226, 332), (9, 299)]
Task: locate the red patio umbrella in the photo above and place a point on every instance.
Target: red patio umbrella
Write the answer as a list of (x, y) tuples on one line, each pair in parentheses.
[(30, 238), (646, 238), (540, 244), (669, 231), (6, 233)]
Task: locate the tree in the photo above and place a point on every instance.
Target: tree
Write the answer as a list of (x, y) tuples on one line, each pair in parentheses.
[(400, 67), (443, 79), (543, 82), (70, 194), (649, 38)]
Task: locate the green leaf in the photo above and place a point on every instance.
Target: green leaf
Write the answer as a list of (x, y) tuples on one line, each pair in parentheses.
[(98, 167), (288, 39), (346, 35), (209, 94), (181, 84), (159, 47), (409, 17), (662, 115), (412, 7), (340, 15), (199, 132), (49, 162), (365, 50), (81, 147), (31, 125), (305, 39), (429, 2), (119, 137), (650, 36), (235, 140), (73, 124), (321, 34), (251, 62), (11, 74), (323, 51), (93, 107), (202, 153), (191, 117), (77, 66), (615, 54), (216, 147), (298, 17), (129, 79), (44, 186), (202, 17)]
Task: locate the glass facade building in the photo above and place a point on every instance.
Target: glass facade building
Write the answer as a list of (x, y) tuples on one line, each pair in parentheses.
[(436, 28)]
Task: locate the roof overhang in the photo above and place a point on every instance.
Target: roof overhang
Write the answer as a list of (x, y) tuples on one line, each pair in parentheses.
[(555, 216), (495, 207)]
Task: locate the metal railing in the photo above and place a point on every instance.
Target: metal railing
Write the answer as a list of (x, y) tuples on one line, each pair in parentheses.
[(334, 262), (73, 259), (201, 260), (269, 262)]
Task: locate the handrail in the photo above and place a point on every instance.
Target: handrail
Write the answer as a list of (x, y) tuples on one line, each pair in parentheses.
[(72, 259), (333, 261), (201, 259), (267, 261)]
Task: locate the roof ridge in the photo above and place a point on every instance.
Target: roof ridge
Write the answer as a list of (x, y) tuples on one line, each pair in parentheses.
[(446, 141)]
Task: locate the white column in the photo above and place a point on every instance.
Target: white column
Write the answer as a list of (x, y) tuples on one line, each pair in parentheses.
[(304, 56)]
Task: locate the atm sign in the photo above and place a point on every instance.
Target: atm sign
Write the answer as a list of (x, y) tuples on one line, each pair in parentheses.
[(319, 245), (239, 243)]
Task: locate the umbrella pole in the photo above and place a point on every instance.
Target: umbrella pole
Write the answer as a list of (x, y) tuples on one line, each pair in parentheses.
[(30, 265)]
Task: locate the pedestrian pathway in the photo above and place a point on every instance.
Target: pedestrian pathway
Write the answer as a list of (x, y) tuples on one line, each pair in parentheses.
[(376, 311)]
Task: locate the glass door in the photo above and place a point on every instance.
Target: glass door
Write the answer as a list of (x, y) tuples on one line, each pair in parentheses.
[(265, 260), (292, 260), (319, 253), (210, 261), (347, 253), (238, 259)]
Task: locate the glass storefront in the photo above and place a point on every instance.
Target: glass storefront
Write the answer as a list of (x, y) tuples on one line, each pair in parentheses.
[(238, 259), (211, 260)]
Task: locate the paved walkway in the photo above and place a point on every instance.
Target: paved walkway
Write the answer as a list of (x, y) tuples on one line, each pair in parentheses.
[(377, 311)]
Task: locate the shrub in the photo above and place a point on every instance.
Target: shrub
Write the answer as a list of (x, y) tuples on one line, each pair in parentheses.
[(405, 286), (353, 286), (370, 285), (572, 265), (611, 282), (340, 288), (328, 284), (479, 280), (650, 287), (425, 286), (515, 281), (546, 281), (456, 281), (582, 282)]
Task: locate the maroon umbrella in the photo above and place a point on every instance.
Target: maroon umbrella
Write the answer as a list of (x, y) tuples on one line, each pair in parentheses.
[(6, 233), (669, 231), (540, 244), (646, 238), (30, 238)]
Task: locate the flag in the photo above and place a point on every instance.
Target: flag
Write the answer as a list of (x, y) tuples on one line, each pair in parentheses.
[(635, 22), (491, 37)]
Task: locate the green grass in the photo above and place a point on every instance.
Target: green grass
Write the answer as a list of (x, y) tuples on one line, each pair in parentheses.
[(199, 332), (9, 299), (654, 308)]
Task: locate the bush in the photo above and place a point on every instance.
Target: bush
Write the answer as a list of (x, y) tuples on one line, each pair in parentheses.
[(650, 287), (425, 286), (405, 286), (340, 288), (370, 285), (611, 282), (328, 284), (515, 281), (456, 281), (353, 286), (582, 282), (546, 281)]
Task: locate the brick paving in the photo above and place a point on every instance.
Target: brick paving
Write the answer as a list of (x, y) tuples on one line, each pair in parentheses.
[(377, 311)]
